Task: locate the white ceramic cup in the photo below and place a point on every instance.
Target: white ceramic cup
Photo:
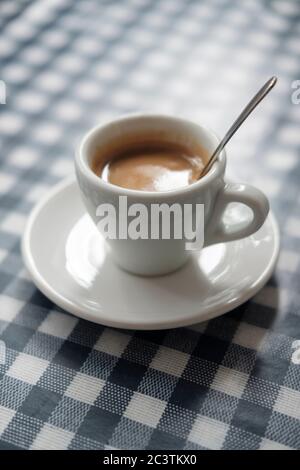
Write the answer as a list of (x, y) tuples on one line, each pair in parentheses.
[(156, 257)]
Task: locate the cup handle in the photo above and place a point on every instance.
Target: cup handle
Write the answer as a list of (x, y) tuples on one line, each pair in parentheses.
[(255, 199)]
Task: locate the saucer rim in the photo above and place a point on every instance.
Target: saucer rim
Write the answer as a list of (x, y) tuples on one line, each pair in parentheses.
[(102, 319)]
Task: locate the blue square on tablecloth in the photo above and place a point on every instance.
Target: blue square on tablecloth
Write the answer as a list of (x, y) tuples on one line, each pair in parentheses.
[(40, 403), (16, 336), (210, 348), (161, 440), (127, 374), (71, 355), (188, 395)]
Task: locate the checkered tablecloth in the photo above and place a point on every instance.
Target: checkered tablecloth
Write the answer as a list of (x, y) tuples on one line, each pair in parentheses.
[(230, 383)]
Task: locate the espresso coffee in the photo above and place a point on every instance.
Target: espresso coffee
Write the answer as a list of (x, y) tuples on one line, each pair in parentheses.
[(152, 167)]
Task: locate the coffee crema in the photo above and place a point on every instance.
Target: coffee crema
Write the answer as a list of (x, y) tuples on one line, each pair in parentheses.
[(152, 167)]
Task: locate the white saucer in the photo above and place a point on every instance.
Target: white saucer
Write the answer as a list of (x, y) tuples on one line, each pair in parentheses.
[(69, 263)]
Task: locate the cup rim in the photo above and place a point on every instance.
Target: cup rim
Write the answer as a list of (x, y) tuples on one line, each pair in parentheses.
[(81, 160)]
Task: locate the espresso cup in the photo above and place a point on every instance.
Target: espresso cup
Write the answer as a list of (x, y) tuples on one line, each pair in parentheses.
[(160, 256)]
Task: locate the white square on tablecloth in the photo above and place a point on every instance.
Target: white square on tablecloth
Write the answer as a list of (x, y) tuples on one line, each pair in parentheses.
[(230, 381), (112, 342), (58, 324), (288, 402), (85, 388), (288, 260), (52, 438), (292, 227), (208, 432), (14, 223), (267, 444), (9, 307), (6, 415), (170, 361), (249, 336)]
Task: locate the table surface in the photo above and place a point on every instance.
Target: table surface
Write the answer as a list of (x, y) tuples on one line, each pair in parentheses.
[(230, 383)]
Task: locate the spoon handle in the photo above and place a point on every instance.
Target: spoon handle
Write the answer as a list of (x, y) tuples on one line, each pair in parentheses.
[(241, 118)]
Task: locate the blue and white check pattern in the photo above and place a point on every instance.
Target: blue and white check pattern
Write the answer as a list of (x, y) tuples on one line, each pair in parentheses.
[(230, 383)]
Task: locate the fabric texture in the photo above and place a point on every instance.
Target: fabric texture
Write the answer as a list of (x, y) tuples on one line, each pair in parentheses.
[(230, 383)]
